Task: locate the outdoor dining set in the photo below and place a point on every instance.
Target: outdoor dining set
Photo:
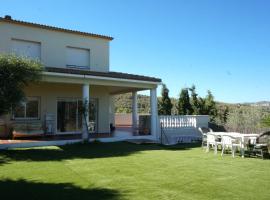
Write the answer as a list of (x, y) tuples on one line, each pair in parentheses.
[(252, 145)]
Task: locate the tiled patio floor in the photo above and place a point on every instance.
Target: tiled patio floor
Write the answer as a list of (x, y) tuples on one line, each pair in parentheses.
[(120, 132), (40, 139)]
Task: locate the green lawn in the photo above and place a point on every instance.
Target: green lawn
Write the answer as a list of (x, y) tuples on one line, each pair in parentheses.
[(129, 171)]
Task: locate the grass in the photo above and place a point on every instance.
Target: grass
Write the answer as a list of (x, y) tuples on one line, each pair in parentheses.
[(128, 171)]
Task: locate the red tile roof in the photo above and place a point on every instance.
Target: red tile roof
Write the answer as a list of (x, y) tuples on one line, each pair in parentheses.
[(8, 19), (103, 74)]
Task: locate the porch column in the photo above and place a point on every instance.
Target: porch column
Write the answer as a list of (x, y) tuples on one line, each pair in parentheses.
[(134, 111), (85, 95), (154, 113)]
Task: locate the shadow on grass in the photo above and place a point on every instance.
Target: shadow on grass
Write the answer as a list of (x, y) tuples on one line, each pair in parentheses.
[(84, 151), (22, 189)]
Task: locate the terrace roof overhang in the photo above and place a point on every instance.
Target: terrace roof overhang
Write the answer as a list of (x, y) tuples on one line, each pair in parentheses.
[(115, 82)]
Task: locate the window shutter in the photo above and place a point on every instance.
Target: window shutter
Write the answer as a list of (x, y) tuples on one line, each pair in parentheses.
[(78, 58), (26, 48)]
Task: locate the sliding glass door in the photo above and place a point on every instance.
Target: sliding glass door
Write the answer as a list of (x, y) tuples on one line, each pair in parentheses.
[(69, 118)]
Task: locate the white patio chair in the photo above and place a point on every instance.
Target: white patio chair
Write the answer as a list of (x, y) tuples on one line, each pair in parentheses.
[(229, 142), (204, 131), (212, 140), (252, 140)]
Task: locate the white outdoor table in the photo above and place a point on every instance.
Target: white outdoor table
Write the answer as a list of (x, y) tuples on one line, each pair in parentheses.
[(242, 136)]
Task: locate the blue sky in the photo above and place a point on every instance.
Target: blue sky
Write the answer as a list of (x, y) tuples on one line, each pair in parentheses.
[(223, 46)]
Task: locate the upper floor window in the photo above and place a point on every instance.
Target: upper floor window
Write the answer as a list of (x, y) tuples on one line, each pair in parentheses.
[(27, 49), (28, 109), (78, 57)]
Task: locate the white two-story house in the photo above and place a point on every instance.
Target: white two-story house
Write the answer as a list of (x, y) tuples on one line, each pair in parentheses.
[(76, 69)]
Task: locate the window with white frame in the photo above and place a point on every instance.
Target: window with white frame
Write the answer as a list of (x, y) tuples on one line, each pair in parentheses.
[(27, 49), (77, 57), (29, 109)]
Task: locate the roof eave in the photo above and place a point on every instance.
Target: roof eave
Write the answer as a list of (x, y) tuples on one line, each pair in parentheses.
[(66, 75), (35, 25)]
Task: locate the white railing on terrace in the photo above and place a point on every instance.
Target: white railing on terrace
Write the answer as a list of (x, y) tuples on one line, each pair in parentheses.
[(183, 121), (178, 121), (181, 128)]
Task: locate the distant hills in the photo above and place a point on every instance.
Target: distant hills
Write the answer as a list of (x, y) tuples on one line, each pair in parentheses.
[(123, 104), (260, 103)]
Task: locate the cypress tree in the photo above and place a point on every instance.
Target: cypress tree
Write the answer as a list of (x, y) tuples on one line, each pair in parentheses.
[(195, 104), (165, 104), (210, 106), (184, 106)]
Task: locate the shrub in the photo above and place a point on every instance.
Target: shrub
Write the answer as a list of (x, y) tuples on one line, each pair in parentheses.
[(16, 73)]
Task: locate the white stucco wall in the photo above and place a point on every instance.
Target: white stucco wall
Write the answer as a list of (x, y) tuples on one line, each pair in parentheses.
[(54, 43)]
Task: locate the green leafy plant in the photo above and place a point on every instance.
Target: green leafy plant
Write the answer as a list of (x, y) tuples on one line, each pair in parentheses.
[(83, 110), (15, 74), (265, 122)]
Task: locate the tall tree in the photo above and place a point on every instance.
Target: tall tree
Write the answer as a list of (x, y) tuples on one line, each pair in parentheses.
[(165, 104), (184, 106), (222, 114), (210, 106), (15, 74), (203, 109), (194, 101)]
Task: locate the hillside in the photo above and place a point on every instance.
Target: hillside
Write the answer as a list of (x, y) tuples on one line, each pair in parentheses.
[(123, 104), (260, 103)]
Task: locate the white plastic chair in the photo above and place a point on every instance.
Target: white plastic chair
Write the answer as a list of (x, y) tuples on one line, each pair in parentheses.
[(252, 140), (212, 140), (204, 131), (229, 142)]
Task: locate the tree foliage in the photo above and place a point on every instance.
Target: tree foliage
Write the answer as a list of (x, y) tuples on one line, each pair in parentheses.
[(16, 73), (164, 104), (265, 122), (123, 103), (246, 119), (210, 106), (232, 117), (192, 104), (222, 114), (184, 106), (196, 105), (189, 103)]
